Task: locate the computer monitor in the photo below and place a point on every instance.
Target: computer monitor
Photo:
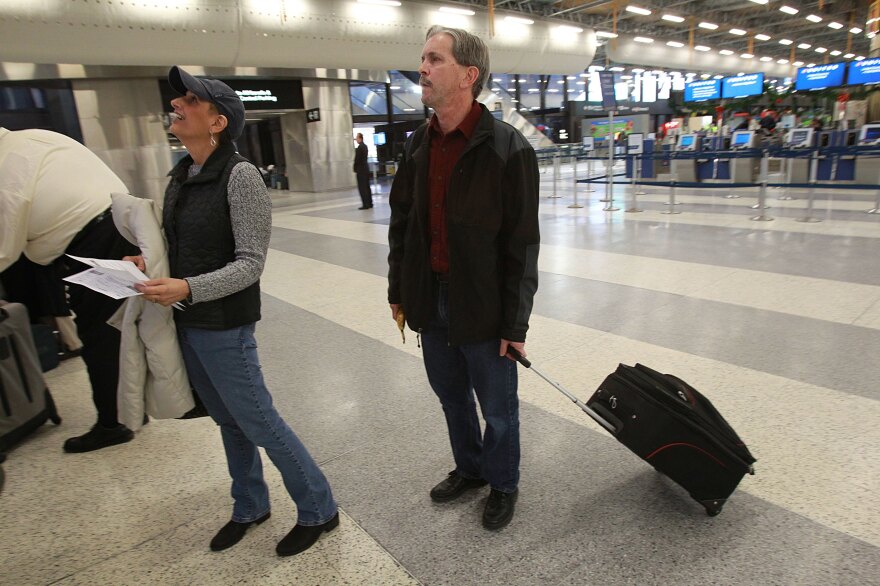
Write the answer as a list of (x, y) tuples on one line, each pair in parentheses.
[(635, 143), (687, 142), (825, 138), (870, 134), (742, 139), (800, 138), (379, 138)]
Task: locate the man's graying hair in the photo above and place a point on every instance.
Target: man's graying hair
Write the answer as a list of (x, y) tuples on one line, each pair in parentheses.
[(469, 50)]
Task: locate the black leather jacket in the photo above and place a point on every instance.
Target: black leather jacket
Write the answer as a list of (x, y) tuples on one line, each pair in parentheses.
[(492, 222)]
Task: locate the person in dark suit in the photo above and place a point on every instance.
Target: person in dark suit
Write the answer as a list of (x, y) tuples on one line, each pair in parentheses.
[(363, 173)]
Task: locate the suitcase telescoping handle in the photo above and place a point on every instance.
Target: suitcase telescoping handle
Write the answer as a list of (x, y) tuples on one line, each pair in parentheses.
[(528, 364)]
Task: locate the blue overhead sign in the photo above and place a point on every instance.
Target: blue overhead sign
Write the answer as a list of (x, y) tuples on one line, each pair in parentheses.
[(606, 82), (864, 72), (742, 86), (699, 91), (819, 77)]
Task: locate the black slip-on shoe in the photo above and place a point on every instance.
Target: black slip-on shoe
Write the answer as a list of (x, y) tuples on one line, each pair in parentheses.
[(453, 486), (302, 537), (499, 509), (98, 437), (232, 533)]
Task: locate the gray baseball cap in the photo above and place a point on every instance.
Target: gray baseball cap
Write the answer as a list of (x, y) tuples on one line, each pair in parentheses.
[(215, 91)]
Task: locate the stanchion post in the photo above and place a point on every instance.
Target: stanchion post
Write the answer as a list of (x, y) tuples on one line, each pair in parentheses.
[(555, 175), (589, 188), (814, 166), (639, 160), (609, 185), (672, 203), (762, 191), (789, 163), (574, 182), (876, 208), (634, 207), (762, 178)]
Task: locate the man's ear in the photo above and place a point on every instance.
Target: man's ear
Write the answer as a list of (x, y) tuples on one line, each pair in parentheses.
[(470, 76)]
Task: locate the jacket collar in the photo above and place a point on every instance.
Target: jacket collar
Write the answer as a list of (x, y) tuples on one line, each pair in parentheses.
[(212, 168)]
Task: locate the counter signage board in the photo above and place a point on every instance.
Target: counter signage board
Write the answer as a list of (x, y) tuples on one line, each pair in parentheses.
[(313, 115), (819, 77), (606, 82), (742, 86), (864, 72), (700, 91)]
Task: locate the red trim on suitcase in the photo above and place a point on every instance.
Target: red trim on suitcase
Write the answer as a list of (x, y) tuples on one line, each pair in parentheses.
[(661, 448)]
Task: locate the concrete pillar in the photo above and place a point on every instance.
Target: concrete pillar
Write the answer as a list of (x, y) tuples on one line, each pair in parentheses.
[(319, 155), (120, 123)]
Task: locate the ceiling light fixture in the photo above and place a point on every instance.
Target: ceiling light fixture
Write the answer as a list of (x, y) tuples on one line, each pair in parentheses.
[(518, 20), (702, 48), (814, 18), (638, 10), (606, 34), (726, 52), (788, 10), (675, 44), (765, 59), (855, 30), (798, 63), (782, 61), (820, 49), (849, 55), (835, 53), (760, 1), (643, 39), (564, 28), (380, 2), (747, 56), (737, 31), (785, 41), (672, 18), (804, 46), (708, 25), (762, 37), (835, 25)]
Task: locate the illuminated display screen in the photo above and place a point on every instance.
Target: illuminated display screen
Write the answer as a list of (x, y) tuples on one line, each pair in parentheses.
[(699, 91), (820, 76), (742, 86), (863, 72)]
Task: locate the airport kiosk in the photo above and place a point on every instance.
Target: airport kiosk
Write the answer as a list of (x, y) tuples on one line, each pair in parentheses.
[(868, 167), (686, 169), (799, 168), (744, 170), (636, 146)]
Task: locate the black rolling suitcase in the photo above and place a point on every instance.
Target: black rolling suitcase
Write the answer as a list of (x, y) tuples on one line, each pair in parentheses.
[(25, 401), (670, 425)]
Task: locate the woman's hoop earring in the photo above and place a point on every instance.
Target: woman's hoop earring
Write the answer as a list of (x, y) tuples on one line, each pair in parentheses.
[(213, 142)]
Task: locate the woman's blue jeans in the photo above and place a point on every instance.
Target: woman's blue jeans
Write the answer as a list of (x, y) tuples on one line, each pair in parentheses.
[(456, 373), (224, 369)]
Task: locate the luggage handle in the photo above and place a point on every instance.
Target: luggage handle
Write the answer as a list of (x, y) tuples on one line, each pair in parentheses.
[(513, 352)]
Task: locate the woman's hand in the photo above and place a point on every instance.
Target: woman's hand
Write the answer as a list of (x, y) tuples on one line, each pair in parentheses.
[(164, 291), (138, 261)]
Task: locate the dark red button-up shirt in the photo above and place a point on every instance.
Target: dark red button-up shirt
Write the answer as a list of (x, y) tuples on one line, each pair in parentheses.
[(445, 151)]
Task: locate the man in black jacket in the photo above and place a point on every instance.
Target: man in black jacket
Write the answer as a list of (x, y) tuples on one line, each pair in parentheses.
[(463, 264), (362, 169)]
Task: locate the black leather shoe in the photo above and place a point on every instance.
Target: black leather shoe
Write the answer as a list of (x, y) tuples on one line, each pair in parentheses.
[(302, 537), (98, 437), (232, 532), (499, 509), (453, 487)]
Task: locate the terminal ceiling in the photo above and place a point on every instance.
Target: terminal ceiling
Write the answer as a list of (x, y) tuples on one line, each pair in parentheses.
[(762, 19)]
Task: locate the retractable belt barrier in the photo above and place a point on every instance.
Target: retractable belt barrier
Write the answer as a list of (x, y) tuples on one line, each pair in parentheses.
[(777, 152)]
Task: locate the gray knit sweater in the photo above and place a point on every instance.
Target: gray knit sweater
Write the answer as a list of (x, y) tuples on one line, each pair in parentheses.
[(250, 211)]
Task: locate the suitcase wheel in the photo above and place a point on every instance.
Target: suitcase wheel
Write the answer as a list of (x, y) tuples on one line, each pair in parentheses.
[(713, 507), (56, 419)]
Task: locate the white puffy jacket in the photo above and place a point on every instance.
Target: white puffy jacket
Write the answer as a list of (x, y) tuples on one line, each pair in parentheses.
[(152, 376)]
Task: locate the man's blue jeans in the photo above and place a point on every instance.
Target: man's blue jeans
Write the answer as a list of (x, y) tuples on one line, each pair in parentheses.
[(224, 369), (456, 373)]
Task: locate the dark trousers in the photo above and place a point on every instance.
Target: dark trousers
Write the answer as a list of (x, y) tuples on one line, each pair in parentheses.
[(363, 178), (100, 351)]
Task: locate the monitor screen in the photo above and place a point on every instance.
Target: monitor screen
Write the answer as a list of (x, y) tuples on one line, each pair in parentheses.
[(742, 86), (863, 72), (872, 133), (699, 91), (741, 138), (798, 136), (379, 138), (820, 76), (687, 140)]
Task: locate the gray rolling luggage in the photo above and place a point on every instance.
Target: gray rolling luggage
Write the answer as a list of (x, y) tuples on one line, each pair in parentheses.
[(25, 402)]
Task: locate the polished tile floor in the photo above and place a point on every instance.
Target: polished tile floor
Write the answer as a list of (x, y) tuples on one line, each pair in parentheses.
[(777, 322)]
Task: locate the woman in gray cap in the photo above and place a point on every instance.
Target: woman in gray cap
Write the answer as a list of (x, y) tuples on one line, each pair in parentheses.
[(217, 219)]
